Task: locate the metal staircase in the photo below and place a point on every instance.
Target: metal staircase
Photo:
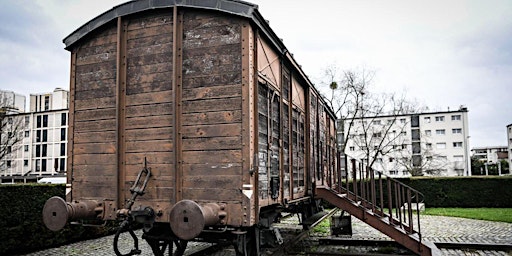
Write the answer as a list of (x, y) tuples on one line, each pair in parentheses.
[(382, 202)]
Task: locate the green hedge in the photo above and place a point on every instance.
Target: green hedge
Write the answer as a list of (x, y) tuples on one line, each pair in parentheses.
[(468, 192), (21, 223)]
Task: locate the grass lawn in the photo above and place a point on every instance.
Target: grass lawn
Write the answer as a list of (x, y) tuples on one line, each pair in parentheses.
[(492, 214)]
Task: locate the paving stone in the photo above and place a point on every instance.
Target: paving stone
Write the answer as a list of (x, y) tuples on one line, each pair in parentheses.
[(434, 228)]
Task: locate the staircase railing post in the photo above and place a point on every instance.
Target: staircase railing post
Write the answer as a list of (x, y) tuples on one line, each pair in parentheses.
[(354, 179)]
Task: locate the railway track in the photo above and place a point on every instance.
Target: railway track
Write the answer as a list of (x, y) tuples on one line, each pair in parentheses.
[(304, 242)]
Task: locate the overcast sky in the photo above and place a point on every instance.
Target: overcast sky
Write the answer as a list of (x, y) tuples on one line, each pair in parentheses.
[(443, 54)]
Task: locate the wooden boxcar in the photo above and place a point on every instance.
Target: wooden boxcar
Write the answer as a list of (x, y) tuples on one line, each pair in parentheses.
[(203, 100)]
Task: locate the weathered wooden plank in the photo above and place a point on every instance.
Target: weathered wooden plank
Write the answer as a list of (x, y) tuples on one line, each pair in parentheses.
[(150, 110), (86, 87), (155, 18), (94, 137), (211, 181), (227, 194), (140, 77), (234, 77), (164, 133), (149, 122), (96, 170), (93, 179), (212, 143), (94, 159), (95, 72), (212, 105), (100, 92), (212, 92), (100, 40), (144, 48), (219, 130), (134, 73), (152, 157), (95, 126), (89, 191), (98, 54), (149, 59), (213, 60), (148, 98), (109, 102), (212, 169), (101, 35), (149, 87), (149, 146), (94, 148), (95, 114), (232, 116), (157, 170), (149, 32), (212, 36), (221, 156)]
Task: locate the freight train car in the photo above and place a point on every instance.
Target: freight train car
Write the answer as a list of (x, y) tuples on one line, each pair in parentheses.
[(192, 118)]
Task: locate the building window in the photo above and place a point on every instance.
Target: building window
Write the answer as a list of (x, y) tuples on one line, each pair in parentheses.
[(8, 163), (456, 117), (45, 120), (38, 150), (25, 148), (428, 132), (391, 159), (439, 118), (62, 164), (429, 145), (43, 165), (376, 122), (63, 119), (457, 144), (427, 119), (27, 134), (38, 121), (402, 120), (38, 136), (44, 151), (25, 162), (403, 133), (63, 134), (440, 132), (393, 172), (352, 148), (457, 130), (45, 136), (404, 146), (63, 149), (441, 145), (27, 120), (377, 135), (46, 102)]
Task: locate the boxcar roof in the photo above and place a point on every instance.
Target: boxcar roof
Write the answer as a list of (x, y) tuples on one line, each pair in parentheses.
[(234, 7)]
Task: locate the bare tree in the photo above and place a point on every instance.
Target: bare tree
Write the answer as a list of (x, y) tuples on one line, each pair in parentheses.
[(424, 162), (373, 123), (12, 126)]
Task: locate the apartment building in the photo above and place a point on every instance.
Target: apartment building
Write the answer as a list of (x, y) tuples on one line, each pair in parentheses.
[(41, 152), (12, 102), (430, 143), (491, 157)]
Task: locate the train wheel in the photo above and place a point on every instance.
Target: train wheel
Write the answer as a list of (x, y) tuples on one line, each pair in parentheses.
[(247, 243)]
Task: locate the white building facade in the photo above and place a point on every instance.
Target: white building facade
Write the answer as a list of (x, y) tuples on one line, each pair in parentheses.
[(12, 102), (433, 143), (42, 152)]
